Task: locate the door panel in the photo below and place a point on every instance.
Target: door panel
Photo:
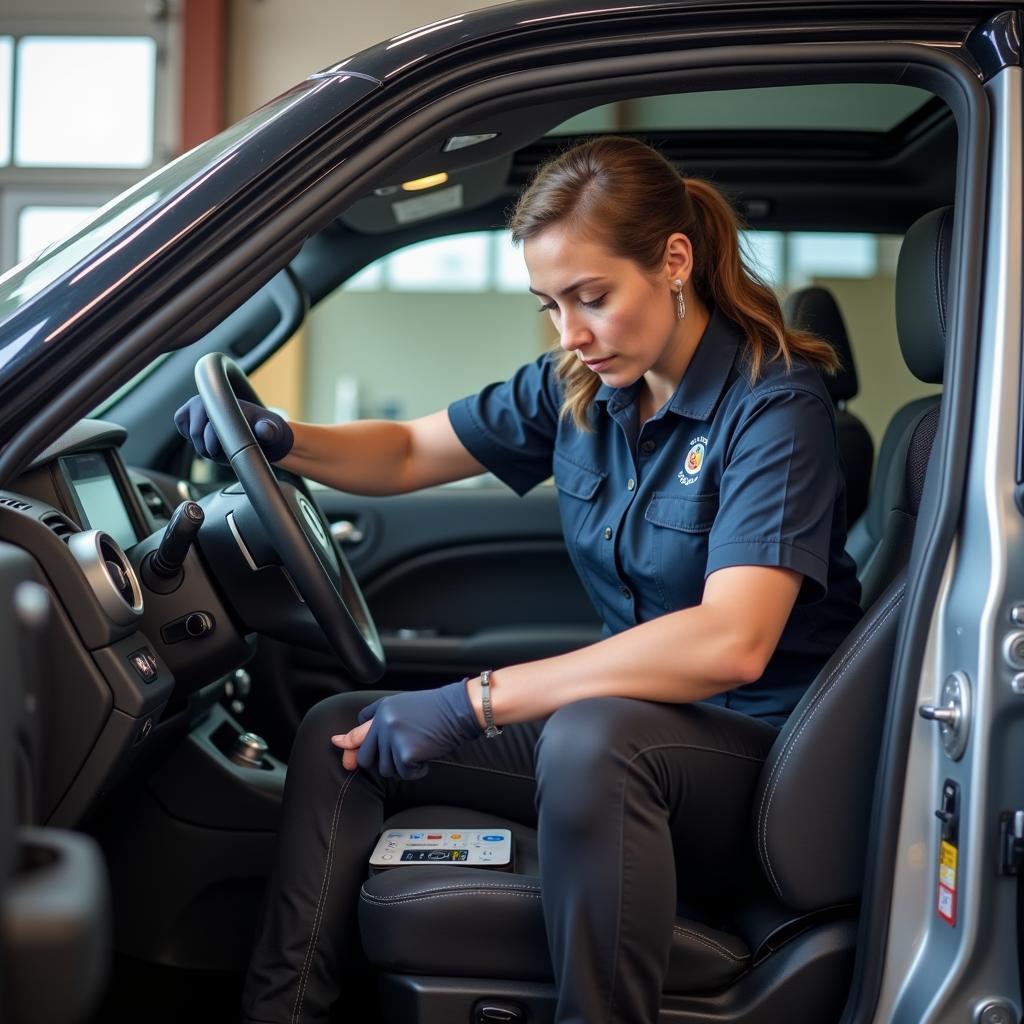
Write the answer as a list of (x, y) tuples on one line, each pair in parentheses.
[(54, 916), (458, 579), (450, 563)]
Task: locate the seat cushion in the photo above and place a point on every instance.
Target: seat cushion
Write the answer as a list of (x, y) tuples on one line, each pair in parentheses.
[(479, 923)]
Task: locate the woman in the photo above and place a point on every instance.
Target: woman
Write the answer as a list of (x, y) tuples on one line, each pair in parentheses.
[(693, 446)]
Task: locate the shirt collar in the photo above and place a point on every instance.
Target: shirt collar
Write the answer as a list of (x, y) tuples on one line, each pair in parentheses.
[(702, 384)]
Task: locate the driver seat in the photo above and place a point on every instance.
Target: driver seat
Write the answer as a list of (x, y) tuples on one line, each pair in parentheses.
[(454, 945)]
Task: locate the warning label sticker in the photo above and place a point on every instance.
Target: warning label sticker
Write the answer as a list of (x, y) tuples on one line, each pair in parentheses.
[(947, 882)]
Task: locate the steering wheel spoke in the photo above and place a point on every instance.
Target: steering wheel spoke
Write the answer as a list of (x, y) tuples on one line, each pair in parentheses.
[(291, 524)]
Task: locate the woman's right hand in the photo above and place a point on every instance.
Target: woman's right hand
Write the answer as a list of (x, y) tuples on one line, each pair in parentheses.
[(270, 430)]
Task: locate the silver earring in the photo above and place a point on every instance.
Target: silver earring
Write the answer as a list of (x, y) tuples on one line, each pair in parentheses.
[(680, 302)]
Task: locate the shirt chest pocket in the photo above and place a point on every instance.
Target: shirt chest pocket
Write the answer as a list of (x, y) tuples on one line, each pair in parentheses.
[(579, 494), (575, 480), (679, 528)]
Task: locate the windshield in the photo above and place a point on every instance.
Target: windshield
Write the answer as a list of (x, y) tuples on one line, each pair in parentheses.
[(27, 279)]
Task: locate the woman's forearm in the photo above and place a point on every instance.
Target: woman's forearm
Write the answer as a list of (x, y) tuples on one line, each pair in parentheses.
[(365, 457), (684, 656), (380, 456)]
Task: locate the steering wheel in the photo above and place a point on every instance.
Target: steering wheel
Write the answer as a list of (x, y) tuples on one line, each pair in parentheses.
[(293, 523)]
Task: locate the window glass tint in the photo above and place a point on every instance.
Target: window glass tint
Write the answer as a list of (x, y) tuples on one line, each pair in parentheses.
[(458, 264), (6, 66), (861, 107), (819, 254), (40, 226), (85, 102)]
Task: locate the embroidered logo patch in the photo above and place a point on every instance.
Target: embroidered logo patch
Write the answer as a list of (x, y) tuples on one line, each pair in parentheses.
[(694, 461)]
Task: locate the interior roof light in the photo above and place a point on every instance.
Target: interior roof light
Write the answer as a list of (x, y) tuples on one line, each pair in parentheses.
[(418, 184), (465, 141)]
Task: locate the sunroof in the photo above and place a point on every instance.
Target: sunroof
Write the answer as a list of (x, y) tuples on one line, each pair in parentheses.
[(850, 107)]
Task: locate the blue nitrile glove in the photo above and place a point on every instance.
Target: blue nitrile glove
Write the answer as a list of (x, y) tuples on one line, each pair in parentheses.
[(412, 728), (270, 430)]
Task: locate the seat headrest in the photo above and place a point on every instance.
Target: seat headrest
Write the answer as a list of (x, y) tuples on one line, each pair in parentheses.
[(922, 306), (815, 310)]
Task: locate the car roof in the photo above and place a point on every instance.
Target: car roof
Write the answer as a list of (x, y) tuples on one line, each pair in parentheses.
[(391, 58)]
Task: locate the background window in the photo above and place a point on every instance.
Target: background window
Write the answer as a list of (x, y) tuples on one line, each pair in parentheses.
[(40, 226), (6, 86), (84, 116), (84, 102)]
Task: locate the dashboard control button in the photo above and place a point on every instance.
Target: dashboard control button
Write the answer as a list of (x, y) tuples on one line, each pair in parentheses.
[(198, 624), (144, 664), (193, 626)]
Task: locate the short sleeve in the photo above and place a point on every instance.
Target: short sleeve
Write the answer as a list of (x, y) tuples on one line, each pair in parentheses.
[(778, 489), (510, 427)]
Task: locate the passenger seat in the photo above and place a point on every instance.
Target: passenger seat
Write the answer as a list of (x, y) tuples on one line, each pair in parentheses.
[(815, 310)]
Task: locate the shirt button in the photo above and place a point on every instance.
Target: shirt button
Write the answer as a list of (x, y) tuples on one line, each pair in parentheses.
[(607, 533), (624, 591), (630, 484), (647, 446)]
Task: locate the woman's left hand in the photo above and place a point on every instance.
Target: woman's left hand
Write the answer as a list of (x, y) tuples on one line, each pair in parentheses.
[(399, 734)]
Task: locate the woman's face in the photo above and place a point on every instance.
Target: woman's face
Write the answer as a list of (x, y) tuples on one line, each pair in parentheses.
[(619, 319)]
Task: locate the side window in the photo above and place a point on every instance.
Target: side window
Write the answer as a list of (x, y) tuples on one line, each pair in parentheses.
[(411, 333), (422, 327), (442, 318)]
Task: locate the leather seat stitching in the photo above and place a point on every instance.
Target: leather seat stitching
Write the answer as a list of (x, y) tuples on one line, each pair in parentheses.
[(467, 887), (815, 703), (415, 899), (710, 943), (307, 962)]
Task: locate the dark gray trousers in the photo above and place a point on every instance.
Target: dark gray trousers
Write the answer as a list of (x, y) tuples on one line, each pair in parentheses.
[(637, 805)]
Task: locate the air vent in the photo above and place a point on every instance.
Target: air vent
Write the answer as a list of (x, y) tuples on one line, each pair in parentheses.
[(61, 525), (110, 575), (116, 569), (21, 506), (154, 499)]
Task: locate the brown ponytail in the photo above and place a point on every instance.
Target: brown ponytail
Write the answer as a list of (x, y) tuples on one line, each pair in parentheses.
[(630, 198)]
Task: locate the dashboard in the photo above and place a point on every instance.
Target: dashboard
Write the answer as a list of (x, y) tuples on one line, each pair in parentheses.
[(116, 668)]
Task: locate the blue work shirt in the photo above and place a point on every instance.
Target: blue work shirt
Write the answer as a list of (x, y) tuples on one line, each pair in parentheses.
[(726, 473)]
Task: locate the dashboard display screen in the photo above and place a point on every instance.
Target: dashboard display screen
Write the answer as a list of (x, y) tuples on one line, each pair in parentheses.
[(99, 496)]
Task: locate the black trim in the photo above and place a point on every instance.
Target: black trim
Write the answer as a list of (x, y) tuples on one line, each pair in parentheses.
[(997, 44)]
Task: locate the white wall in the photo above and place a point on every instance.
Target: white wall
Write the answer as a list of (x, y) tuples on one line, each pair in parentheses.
[(422, 349), (272, 44)]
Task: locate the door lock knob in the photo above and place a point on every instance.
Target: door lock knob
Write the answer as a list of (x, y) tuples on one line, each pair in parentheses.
[(952, 714), (948, 714)]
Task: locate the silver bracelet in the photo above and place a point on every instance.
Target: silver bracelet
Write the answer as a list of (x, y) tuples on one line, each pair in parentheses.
[(490, 730)]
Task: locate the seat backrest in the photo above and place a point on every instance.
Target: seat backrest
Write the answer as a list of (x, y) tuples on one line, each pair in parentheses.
[(815, 309), (879, 541), (814, 795)]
